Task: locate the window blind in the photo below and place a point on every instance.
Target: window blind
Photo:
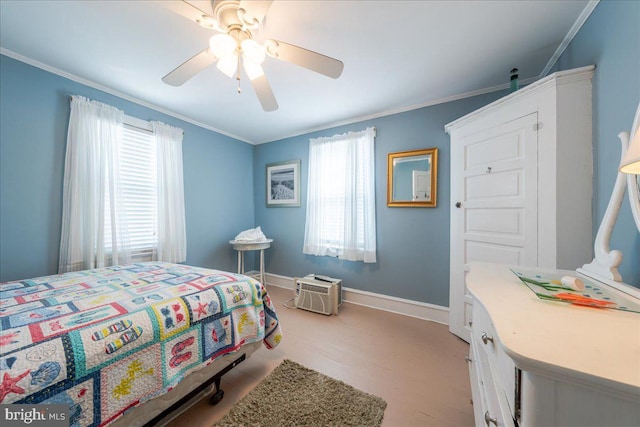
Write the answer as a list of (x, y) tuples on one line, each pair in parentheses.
[(341, 197), (138, 178), (138, 167)]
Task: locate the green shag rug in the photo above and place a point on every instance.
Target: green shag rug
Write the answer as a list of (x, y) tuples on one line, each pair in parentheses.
[(293, 395)]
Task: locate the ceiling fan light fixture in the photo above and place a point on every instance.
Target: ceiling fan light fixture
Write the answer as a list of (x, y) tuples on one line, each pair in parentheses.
[(253, 51), (228, 64), (239, 21), (253, 70), (222, 45)]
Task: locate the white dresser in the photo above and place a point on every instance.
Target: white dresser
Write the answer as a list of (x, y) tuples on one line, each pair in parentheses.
[(543, 363)]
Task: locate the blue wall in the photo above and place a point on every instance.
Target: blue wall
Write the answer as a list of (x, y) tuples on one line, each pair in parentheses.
[(611, 39), (34, 113), (413, 243)]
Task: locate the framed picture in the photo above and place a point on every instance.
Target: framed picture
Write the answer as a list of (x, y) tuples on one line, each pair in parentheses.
[(283, 184), (412, 178)]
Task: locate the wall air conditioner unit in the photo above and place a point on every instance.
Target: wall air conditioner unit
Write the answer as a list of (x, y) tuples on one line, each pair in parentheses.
[(320, 294)]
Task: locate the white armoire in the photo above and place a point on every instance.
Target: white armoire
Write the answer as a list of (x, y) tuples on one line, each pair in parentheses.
[(521, 183)]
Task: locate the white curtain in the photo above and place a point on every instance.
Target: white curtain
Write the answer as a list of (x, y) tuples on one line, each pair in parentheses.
[(172, 233), (341, 218), (92, 192)]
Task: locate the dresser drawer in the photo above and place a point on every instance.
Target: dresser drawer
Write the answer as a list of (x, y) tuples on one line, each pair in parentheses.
[(494, 363), (482, 325), (477, 387)]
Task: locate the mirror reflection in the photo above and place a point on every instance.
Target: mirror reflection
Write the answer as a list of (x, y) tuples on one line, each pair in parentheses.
[(411, 178)]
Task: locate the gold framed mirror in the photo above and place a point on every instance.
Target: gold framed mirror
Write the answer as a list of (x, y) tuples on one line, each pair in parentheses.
[(412, 178)]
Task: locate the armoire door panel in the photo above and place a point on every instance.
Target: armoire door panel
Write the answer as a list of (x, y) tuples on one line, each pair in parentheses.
[(488, 252), (495, 222), (493, 150), (496, 240), (494, 185)]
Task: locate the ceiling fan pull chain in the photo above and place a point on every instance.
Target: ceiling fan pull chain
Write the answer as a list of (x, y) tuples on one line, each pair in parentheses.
[(238, 76)]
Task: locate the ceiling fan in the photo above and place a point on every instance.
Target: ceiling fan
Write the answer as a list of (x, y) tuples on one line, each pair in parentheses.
[(234, 48)]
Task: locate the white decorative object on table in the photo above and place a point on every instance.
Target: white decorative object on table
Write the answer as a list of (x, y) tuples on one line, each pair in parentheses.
[(251, 235)]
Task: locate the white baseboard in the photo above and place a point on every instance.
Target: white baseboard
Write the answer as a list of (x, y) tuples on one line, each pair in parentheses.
[(417, 309)]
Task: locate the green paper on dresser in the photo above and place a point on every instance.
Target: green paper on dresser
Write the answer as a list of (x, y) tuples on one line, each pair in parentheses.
[(557, 287)]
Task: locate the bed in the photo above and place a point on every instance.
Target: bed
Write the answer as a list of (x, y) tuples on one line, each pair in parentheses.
[(106, 341)]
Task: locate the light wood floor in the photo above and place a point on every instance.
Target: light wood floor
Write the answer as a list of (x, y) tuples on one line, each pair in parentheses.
[(418, 367)]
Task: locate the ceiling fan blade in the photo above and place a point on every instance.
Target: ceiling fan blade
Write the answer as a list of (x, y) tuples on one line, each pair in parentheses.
[(265, 94), (205, 6), (193, 11), (308, 59), (253, 11), (190, 68)]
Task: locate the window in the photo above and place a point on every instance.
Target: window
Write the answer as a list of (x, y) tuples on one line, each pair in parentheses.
[(123, 191), (138, 180), (341, 197)]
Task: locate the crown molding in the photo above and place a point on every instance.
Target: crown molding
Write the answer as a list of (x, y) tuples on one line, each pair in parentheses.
[(94, 85), (586, 12)]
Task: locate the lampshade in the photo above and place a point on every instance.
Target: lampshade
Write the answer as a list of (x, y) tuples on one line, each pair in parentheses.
[(631, 161), (228, 64), (222, 45), (252, 51)]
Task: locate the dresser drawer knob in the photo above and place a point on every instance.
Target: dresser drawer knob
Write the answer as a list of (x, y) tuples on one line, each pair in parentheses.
[(489, 420), (486, 338)]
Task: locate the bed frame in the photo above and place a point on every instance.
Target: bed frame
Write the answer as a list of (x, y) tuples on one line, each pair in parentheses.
[(195, 387)]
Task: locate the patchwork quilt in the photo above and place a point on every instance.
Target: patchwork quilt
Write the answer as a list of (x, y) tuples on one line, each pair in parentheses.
[(106, 340)]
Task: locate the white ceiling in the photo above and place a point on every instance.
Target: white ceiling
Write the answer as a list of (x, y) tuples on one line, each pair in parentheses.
[(398, 55)]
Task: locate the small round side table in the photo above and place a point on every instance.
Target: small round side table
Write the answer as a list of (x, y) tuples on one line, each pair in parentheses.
[(241, 247)]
